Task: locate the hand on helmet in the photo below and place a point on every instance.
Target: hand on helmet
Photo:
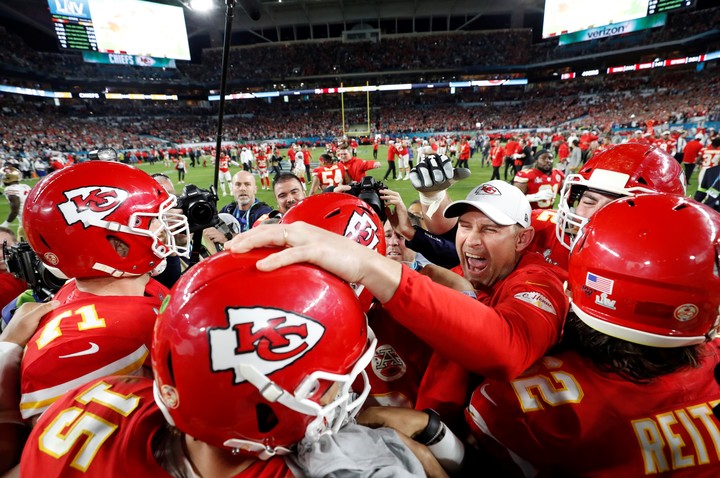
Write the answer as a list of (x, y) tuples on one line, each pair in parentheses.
[(436, 173)]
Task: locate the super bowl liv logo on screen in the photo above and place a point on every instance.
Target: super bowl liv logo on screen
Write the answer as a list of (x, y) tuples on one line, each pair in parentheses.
[(71, 8)]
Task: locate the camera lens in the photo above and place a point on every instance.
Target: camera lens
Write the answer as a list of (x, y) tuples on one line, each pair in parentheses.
[(201, 213)]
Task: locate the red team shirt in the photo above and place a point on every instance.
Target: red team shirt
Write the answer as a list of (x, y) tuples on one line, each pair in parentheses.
[(330, 176), (567, 418), (87, 337), (357, 168), (454, 325), (397, 368), (545, 241), (536, 181), (710, 157), (106, 428), (10, 288)]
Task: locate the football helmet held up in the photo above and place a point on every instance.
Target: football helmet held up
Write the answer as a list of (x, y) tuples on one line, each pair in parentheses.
[(624, 170), (242, 358), (101, 218), (632, 280)]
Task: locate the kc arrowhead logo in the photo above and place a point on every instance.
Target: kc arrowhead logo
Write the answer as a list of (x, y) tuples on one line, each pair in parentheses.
[(91, 203), (363, 230), (267, 339)]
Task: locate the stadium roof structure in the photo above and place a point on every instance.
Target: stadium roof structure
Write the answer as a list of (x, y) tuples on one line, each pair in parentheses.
[(290, 20)]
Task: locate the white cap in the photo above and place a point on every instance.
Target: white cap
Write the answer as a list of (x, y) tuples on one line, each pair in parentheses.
[(699, 136), (503, 203)]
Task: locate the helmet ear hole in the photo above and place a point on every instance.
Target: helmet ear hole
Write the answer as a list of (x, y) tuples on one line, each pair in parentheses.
[(119, 245), (266, 418), (332, 213)]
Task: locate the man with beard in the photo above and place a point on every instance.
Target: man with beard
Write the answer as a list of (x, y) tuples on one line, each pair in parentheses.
[(540, 183), (246, 208)]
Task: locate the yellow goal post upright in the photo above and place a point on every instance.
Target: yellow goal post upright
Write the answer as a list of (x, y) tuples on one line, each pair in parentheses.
[(355, 130)]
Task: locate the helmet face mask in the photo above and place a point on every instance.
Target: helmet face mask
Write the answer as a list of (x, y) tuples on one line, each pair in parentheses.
[(264, 366), (624, 170), (99, 219)]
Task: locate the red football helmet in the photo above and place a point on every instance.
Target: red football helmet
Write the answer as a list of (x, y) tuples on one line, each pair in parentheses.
[(624, 170), (342, 214), (632, 279), (71, 216), (245, 368), (346, 215)]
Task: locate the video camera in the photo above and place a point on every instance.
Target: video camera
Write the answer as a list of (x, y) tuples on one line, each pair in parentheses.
[(199, 206), (24, 264), (369, 191)]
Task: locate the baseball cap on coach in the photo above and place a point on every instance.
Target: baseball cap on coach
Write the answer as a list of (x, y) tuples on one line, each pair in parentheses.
[(503, 203)]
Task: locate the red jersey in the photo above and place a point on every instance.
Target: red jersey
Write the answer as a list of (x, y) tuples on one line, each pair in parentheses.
[(262, 164), (516, 321), (401, 151), (330, 176), (536, 181), (563, 151), (564, 417), (10, 288), (391, 152), (397, 368), (667, 145), (224, 164), (512, 147), (465, 151), (106, 428), (497, 155), (87, 337), (691, 151), (545, 241), (357, 168), (710, 157)]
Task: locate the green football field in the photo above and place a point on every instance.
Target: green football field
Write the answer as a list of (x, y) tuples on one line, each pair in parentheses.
[(203, 177)]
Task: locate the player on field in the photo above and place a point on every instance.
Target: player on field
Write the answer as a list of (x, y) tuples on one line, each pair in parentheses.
[(540, 183)]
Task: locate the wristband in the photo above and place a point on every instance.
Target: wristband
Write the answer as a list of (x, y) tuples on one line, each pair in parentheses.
[(432, 430), (448, 450)]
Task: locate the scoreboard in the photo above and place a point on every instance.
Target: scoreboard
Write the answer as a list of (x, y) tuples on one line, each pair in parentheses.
[(660, 6), (73, 24)]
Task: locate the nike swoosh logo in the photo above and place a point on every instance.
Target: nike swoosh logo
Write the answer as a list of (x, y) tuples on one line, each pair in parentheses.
[(93, 349), (485, 394)]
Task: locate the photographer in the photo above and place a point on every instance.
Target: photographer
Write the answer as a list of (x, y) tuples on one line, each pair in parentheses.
[(246, 208)]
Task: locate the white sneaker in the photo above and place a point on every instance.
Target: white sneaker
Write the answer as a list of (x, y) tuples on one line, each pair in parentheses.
[(399, 176), (407, 177)]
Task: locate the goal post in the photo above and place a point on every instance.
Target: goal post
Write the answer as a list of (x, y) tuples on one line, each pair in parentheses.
[(358, 129)]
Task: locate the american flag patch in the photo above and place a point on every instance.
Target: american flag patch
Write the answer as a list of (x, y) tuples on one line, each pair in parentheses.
[(599, 283)]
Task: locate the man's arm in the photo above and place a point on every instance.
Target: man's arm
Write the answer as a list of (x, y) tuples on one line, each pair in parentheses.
[(500, 341), (315, 185)]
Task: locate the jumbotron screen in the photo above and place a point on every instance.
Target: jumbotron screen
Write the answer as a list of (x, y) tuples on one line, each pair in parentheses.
[(129, 27), (568, 16)]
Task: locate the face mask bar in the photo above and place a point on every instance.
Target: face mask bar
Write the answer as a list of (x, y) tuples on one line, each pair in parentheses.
[(167, 226), (569, 223)]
